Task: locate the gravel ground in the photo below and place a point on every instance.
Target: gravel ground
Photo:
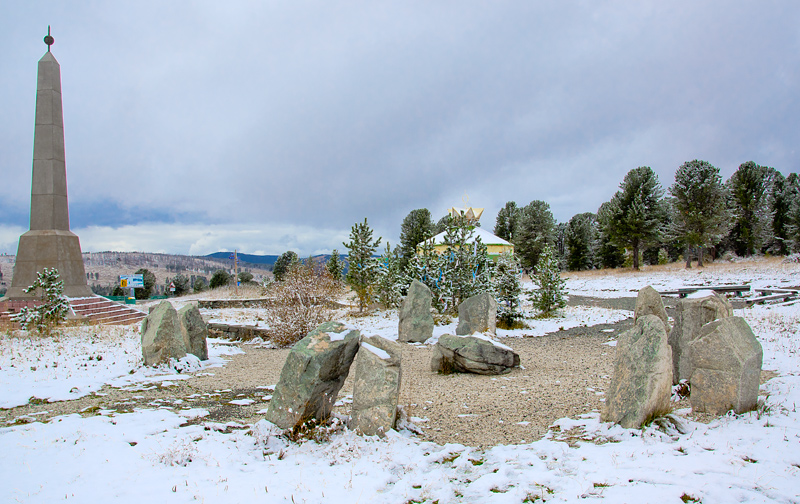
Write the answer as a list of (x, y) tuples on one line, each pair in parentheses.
[(561, 374)]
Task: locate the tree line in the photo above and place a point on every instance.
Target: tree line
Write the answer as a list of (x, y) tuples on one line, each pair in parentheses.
[(756, 211)]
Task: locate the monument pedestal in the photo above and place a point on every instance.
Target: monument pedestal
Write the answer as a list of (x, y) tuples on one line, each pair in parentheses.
[(49, 248)]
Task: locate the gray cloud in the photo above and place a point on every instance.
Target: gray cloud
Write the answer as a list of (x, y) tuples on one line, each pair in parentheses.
[(312, 116)]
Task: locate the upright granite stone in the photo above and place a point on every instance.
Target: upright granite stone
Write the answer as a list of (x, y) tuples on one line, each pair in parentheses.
[(476, 353), (641, 387), (690, 316), (49, 243), (416, 321), (649, 302), (477, 314), (163, 337), (726, 361), (196, 331), (377, 386), (312, 376)]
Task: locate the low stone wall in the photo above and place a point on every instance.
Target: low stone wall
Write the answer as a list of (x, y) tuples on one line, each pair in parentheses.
[(215, 304), (237, 332)]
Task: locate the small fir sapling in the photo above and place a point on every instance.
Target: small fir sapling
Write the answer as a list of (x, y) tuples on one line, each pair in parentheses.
[(55, 307), (362, 274), (549, 294), (507, 291)]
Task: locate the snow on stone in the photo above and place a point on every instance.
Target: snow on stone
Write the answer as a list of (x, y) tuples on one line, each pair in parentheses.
[(382, 354), (491, 340)]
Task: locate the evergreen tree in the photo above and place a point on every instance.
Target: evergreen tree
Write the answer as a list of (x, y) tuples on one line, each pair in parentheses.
[(50, 287), (637, 212), (534, 229), (506, 221), (425, 267), (199, 285), (780, 201), (441, 225), (581, 235), (748, 204), (335, 266), (507, 290), (466, 269), (390, 282), (609, 254), (416, 227), (149, 280), (181, 283), (283, 264), (362, 274), (220, 278), (699, 212), (549, 294)]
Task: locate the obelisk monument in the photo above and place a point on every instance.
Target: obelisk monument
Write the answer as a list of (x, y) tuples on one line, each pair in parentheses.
[(49, 243)]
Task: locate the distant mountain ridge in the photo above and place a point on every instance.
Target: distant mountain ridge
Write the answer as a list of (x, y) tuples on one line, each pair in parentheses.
[(268, 260)]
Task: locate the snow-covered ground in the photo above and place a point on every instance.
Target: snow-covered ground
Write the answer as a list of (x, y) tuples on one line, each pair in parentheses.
[(147, 455)]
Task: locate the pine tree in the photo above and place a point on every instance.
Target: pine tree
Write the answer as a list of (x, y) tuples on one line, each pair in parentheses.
[(699, 212), (362, 274), (581, 235), (466, 269), (507, 290), (283, 264), (335, 266), (609, 254), (149, 280), (390, 283), (425, 267), (636, 213), (780, 200), (416, 227), (533, 230), (549, 294), (506, 221), (747, 202), (55, 308)]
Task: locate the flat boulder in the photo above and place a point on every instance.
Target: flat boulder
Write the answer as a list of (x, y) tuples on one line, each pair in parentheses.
[(416, 321), (196, 331), (477, 314), (649, 302), (691, 314), (477, 353), (726, 362), (312, 376), (163, 337), (642, 383), (377, 386)]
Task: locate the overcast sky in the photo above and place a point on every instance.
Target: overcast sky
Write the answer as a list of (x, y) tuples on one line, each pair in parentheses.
[(193, 127)]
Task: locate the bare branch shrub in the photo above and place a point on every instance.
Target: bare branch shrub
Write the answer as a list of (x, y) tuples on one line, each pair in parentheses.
[(302, 300)]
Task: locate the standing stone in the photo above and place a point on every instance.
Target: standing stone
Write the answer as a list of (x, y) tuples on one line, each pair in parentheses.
[(649, 302), (196, 331), (726, 358), (416, 321), (49, 243), (476, 353), (641, 386), (477, 314), (312, 376), (377, 386), (163, 337), (690, 316)]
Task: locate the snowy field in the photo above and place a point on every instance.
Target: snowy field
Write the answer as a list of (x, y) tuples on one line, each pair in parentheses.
[(148, 456)]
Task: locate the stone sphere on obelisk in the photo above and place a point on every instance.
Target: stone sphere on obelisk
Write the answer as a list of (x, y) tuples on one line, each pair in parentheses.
[(49, 243)]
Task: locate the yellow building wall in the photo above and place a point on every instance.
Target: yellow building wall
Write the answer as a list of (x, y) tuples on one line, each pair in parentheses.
[(493, 250)]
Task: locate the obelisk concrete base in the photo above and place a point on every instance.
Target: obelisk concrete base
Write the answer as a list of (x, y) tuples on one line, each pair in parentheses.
[(49, 248)]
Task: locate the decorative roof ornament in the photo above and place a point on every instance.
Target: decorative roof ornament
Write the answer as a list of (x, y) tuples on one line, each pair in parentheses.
[(48, 39), (470, 213)]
